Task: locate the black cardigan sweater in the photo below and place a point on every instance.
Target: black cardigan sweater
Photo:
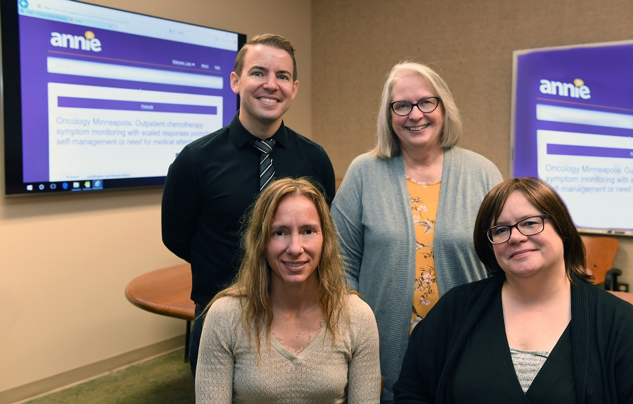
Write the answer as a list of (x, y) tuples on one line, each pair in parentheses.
[(601, 334)]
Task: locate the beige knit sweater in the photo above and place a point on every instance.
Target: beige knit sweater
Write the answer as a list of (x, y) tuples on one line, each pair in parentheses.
[(324, 372)]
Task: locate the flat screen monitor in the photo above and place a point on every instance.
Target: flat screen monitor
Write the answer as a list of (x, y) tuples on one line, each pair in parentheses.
[(99, 99), (573, 128)]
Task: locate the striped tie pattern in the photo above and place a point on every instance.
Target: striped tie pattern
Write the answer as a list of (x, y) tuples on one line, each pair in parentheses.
[(266, 170)]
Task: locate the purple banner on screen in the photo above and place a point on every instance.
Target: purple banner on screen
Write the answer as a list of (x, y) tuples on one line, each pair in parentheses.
[(118, 48), (94, 103), (572, 128), (572, 150), (586, 77)]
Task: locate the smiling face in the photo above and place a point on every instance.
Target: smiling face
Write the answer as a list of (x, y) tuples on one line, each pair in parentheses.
[(417, 131), (296, 242), (528, 256), (266, 89)]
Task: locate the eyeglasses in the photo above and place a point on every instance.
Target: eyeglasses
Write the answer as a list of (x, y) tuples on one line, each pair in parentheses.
[(528, 227), (425, 105)]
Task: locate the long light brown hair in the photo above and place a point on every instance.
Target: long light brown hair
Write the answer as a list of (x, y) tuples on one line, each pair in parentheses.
[(252, 284)]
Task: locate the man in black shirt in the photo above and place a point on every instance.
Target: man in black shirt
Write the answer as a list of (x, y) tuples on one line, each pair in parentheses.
[(216, 178)]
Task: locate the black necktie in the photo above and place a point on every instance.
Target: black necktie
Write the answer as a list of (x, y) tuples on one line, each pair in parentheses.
[(266, 170)]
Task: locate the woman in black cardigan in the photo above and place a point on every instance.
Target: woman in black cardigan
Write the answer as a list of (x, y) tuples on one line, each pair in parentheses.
[(536, 331)]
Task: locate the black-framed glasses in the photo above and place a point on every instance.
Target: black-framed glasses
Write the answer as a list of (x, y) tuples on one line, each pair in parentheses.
[(425, 105), (528, 227)]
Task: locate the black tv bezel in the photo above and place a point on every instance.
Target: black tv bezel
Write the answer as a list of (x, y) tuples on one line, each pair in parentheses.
[(12, 111)]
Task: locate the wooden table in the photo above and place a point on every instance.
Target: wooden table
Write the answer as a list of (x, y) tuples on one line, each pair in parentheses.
[(165, 291)]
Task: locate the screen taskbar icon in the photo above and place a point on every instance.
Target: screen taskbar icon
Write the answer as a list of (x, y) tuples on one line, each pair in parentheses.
[(64, 186)]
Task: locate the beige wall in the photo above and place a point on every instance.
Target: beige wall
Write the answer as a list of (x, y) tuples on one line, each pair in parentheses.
[(65, 260), (356, 42)]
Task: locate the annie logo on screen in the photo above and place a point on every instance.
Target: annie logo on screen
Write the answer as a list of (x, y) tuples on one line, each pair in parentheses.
[(88, 42), (576, 90)]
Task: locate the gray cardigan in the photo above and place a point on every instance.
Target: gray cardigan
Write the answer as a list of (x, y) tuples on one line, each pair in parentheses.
[(373, 217)]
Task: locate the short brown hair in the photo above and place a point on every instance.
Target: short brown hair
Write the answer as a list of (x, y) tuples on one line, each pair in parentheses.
[(275, 41), (544, 199)]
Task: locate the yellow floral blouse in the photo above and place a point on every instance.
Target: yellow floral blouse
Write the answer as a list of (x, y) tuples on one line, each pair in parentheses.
[(424, 200)]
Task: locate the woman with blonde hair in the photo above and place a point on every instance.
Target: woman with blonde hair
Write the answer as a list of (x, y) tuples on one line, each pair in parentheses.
[(405, 211), (288, 330)]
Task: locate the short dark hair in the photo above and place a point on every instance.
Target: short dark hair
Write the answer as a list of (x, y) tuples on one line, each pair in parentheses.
[(545, 199), (275, 41)]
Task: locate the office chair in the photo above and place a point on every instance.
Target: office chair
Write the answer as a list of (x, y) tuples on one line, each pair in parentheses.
[(600, 253)]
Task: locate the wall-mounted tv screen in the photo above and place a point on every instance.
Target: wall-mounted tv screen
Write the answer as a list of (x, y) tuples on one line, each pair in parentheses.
[(97, 98), (573, 128)]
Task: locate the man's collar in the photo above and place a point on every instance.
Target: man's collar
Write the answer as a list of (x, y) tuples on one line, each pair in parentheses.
[(241, 136)]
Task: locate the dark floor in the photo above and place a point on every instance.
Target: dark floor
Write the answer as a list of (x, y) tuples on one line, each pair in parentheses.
[(163, 380)]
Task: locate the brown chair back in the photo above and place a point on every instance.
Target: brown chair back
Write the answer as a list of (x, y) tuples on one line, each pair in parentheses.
[(600, 254)]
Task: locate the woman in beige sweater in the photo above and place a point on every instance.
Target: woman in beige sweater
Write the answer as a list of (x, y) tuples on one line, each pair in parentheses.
[(288, 330)]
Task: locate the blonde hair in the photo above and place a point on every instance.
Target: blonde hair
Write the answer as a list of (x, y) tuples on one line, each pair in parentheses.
[(253, 280), (388, 145)]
